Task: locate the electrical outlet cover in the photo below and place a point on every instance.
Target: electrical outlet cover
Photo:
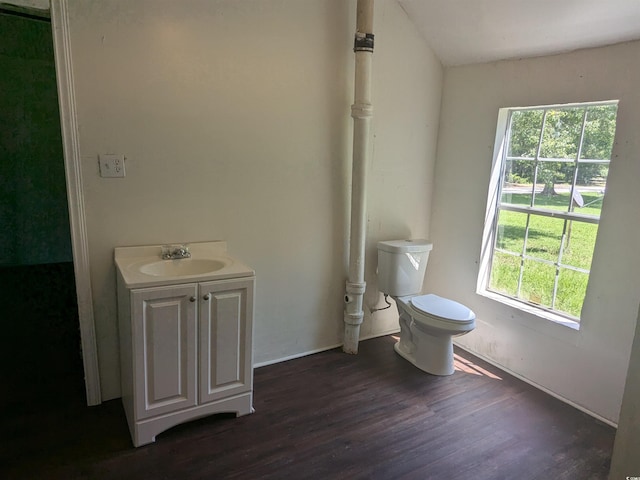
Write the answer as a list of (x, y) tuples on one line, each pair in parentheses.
[(111, 165)]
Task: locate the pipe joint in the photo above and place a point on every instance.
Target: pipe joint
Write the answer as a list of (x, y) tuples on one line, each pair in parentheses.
[(362, 110), (356, 288), (354, 318)]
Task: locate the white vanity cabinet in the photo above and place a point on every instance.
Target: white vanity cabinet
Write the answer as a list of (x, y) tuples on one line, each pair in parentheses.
[(164, 354), (186, 352), (225, 325)]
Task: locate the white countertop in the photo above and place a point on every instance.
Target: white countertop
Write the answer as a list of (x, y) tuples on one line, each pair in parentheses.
[(129, 260)]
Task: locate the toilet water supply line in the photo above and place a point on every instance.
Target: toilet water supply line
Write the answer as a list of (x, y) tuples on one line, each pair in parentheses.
[(361, 111)]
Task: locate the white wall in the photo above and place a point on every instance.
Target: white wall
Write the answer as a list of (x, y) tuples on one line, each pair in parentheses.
[(235, 121), (625, 460), (586, 367)]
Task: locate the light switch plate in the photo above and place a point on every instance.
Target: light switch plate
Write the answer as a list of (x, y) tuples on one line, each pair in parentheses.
[(111, 165)]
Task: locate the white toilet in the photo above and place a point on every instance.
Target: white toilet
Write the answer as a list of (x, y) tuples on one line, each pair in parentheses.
[(427, 322)]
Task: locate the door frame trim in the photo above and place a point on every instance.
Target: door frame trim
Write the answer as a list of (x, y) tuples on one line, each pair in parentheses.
[(75, 197)]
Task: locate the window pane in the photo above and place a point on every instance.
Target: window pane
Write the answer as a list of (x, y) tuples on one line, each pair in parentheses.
[(561, 135), (517, 186), (572, 287), (537, 283), (510, 232), (525, 133), (579, 244), (599, 131), (545, 237), (590, 185), (556, 161), (505, 271), (553, 185)]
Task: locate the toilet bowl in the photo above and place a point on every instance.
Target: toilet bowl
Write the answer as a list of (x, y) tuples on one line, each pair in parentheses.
[(429, 322)]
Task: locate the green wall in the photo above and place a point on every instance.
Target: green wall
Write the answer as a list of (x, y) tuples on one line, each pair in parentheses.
[(34, 223)]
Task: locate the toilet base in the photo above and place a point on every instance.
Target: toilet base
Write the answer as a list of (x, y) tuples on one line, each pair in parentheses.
[(434, 355), (427, 342)]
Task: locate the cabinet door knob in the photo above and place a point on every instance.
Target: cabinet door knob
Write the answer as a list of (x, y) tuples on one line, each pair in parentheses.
[(192, 299), (207, 296)]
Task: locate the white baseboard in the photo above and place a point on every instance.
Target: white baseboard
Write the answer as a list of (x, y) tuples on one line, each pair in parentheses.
[(297, 355), (539, 387), (318, 350), (382, 334)]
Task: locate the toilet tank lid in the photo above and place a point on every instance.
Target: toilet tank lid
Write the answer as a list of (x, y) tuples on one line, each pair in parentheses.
[(404, 246)]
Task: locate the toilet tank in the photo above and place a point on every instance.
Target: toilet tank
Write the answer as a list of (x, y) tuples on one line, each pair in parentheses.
[(401, 266)]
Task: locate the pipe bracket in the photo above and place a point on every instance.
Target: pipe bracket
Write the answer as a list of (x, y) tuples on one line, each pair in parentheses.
[(363, 42)]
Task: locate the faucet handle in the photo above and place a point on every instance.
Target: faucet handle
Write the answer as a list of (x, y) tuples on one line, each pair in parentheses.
[(175, 251), (183, 251)]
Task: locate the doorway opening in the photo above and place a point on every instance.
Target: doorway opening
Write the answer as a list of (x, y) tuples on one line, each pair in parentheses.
[(41, 357)]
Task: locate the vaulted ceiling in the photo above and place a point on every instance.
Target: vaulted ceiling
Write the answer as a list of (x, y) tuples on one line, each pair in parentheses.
[(475, 31), (463, 32)]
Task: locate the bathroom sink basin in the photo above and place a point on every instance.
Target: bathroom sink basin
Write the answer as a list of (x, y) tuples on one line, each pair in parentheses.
[(182, 267), (143, 266)]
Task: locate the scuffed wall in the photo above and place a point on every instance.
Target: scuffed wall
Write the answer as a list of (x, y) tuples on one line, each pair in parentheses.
[(585, 367), (234, 118)]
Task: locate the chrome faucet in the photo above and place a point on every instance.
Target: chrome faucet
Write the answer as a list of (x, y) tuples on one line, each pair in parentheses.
[(174, 252)]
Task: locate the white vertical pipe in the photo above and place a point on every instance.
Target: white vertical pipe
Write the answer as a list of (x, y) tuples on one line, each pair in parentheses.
[(361, 111)]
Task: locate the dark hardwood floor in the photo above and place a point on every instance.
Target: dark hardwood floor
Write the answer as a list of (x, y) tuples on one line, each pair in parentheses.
[(329, 416)]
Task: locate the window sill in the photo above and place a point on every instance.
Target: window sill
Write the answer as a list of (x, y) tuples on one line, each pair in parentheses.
[(531, 309)]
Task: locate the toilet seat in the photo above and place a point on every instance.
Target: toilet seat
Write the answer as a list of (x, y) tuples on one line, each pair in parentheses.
[(442, 309)]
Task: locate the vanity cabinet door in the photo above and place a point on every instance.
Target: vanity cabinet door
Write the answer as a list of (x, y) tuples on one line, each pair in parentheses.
[(164, 349), (225, 334)]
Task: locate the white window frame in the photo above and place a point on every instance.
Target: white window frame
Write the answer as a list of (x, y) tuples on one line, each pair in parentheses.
[(492, 212)]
